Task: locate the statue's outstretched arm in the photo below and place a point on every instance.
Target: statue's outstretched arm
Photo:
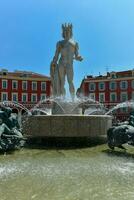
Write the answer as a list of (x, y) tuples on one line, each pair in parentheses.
[(77, 56)]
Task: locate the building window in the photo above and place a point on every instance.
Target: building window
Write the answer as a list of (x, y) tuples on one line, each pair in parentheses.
[(101, 97), (113, 85), (4, 96), (133, 96), (34, 85), (14, 84), (132, 84), (4, 72), (24, 97), (124, 96), (92, 96), (101, 86), (124, 110), (113, 74), (14, 96), (24, 85), (34, 98), (113, 97), (123, 85), (43, 86), (92, 86), (4, 84), (43, 97)]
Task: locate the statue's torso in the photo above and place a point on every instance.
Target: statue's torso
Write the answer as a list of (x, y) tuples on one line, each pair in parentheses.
[(67, 51)]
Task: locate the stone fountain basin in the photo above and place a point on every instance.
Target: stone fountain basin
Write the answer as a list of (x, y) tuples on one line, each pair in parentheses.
[(67, 125)]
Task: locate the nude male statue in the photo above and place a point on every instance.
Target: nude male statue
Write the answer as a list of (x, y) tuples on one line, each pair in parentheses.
[(62, 63)]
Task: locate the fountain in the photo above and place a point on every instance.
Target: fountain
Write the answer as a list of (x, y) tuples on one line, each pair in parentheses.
[(10, 130), (76, 173), (122, 132), (126, 104), (66, 118)]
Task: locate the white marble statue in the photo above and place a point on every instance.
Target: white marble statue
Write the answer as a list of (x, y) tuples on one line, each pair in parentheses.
[(62, 63)]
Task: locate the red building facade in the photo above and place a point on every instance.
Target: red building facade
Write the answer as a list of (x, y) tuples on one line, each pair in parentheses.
[(24, 87), (110, 89)]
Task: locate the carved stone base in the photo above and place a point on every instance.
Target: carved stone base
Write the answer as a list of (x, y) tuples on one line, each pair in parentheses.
[(67, 126)]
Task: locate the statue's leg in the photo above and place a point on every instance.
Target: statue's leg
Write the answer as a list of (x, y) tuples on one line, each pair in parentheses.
[(56, 84), (18, 133), (62, 74), (70, 74)]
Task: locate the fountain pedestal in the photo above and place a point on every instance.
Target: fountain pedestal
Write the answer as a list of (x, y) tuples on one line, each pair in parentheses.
[(62, 108), (67, 126)]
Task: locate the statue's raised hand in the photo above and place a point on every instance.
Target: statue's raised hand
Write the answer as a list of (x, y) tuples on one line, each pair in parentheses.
[(79, 58)]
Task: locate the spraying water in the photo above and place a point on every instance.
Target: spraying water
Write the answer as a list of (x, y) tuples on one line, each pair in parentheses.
[(127, 104)]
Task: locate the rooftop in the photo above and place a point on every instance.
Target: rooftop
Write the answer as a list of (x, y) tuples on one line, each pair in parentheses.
[(113, 74), (19, 73)]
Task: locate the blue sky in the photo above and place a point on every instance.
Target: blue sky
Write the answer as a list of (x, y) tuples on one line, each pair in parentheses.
[(104, 29)]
